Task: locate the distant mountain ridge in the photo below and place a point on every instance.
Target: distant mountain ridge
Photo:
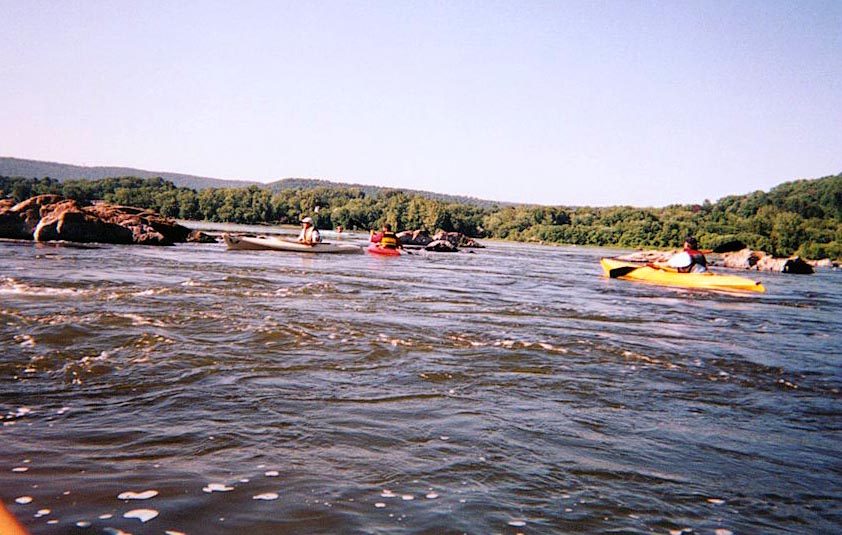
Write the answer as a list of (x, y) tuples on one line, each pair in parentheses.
[(18, 167)]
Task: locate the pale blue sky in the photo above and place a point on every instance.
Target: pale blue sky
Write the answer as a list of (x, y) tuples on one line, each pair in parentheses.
[(565, 103)]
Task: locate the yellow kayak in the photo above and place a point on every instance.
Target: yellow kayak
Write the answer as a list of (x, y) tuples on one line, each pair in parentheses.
[(617, 269)]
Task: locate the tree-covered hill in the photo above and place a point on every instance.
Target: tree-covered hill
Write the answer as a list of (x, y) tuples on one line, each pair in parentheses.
[(60, 171), (17, 167), (802, 217)]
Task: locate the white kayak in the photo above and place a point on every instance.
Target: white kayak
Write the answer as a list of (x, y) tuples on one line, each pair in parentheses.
[(270, 243)]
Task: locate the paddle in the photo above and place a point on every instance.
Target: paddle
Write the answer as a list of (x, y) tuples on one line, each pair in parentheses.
[(622, 271)]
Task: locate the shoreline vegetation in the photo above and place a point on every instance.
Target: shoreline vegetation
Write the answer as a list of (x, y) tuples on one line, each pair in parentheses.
[(799, 218)]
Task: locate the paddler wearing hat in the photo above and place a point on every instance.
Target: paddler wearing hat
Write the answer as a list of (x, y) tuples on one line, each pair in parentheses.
[(309, 234)]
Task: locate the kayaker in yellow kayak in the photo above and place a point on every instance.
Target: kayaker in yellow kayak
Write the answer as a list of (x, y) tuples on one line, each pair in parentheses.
[(690, 260), (309, 234)]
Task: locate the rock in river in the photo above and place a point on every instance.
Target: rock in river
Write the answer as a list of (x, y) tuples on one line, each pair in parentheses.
[(51, 218)]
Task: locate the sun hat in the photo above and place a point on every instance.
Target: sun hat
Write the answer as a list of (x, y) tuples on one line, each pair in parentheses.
[(307, 220)]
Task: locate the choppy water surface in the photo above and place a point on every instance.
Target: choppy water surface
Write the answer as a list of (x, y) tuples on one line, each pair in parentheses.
[(513, 390)]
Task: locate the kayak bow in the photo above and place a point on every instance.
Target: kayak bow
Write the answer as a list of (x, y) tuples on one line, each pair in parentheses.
[(617, 269)]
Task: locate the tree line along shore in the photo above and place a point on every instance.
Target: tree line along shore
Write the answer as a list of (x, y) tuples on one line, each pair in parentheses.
[(802, 217)]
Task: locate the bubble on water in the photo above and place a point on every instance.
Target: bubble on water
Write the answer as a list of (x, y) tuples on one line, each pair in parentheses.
[(444, 437), (144, 515), (431, 496), (23, 500), (517, 523), (272, 473), (268, 496), (217, 487), (380, 505), (407, 497), (145, 495)]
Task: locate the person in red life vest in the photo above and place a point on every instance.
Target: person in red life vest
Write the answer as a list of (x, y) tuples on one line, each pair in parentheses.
[(309, 234), (386, 238), (690, 260)]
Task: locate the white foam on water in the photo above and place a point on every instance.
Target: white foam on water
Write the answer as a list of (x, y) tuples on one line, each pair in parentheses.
[(387, 494), (145, 495), (267, 496), (23, 500), (171, 532), (272, 473), (407, 497), (42, 512), (20, 469), (723, 531), (380, 505), (115, 531), (11, 286), (431, 496), (144, 515), (83, 524), (217, 487), (517, 523), (151, 291), (106, 516), (716, 501)]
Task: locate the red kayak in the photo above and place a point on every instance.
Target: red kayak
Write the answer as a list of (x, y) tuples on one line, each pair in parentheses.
[(376, 249)]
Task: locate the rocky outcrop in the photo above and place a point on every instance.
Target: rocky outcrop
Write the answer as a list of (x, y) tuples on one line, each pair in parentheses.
[(760, 261), (743, 259), (420, 238), (647, 256), (441, 246), (52, 218), (441, 242), (824, 263), (197, 236), (457, 239)]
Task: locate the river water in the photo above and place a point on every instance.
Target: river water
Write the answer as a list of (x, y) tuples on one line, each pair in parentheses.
[(509, 390)]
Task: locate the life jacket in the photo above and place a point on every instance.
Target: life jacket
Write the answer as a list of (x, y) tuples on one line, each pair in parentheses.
[(310, 235), (389, 240), (697, 259)]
